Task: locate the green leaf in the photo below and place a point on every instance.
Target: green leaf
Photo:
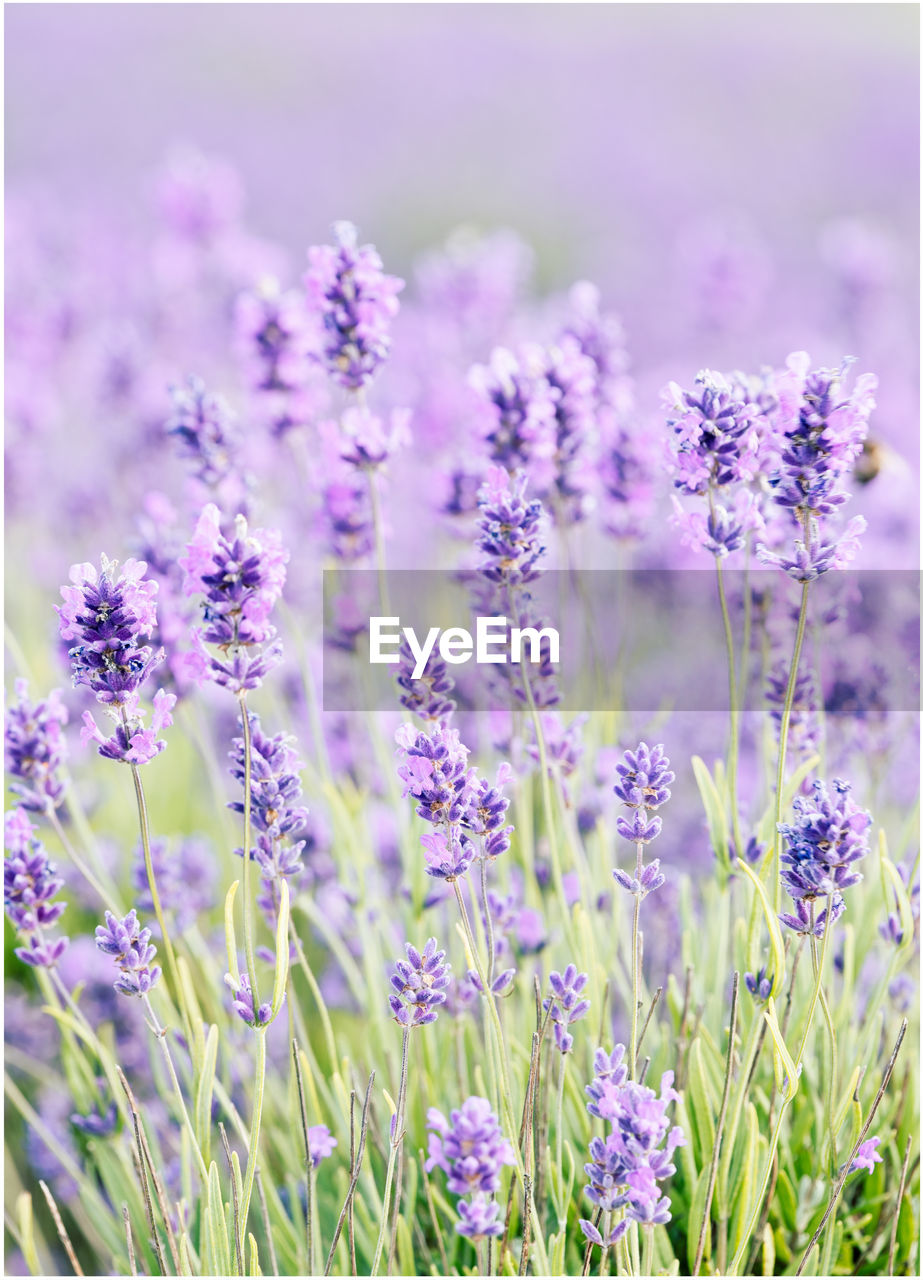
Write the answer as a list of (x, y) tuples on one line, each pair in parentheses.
[(230, 936), (254, 1268), (715, 814), (26, 1225), (217, 1224), (776, 945), (694, 1221), (782, 1059), (282, 950), (703, 1106), (203, 1102), (747, 1183), (788, 1202)]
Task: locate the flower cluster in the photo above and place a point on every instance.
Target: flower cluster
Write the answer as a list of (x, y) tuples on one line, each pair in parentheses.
[(519, 412), (418, 985), (571, 375), (242, 995), (451, 797), (240, 577), (829, 835), (273, 332), (29, 885), (132, 950), (35, 749), (629, 1162), (355, 303), (509, 529), (644, 784), (472, 1151), (803, 727), (428, 696), (110, 613), (275, 786), (203, 428), (822, 432), (565, 1005), (435, 771)]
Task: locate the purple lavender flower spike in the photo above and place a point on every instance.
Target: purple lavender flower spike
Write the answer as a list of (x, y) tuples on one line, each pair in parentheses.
[(823, 431), (627, 1165), (109, 613), (131, 948), (419, 985), (469, 1147), (519, 410), (803, 727), (479, 1217), (759, 985), (203, 427), (243, 1002), (644, 777), (651, 877), (435, 771), (240, 578), (273, 332), (29, 885), (571, 375), (829, 835), (800, 920), (275, 783), (35, 749), (426, 697), (565, 1005), (354, 302), (487, 806), (712, 434), (509, 529)]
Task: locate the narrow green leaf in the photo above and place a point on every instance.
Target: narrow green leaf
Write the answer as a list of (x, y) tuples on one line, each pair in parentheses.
[(782, 1059), (282, 950), (26, 1225), (230, 936), (703, 1105), (694, 1223), (747, 1183), (203, 1103), (776, 945), (715, 814), (254, 1268)]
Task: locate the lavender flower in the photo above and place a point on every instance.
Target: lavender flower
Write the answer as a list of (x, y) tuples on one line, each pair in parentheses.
[(273, 335), (469, 1147), (571, 375), (712, 435), (321, 1143), (131, 948), (866, 1156), (203, 427), (241, 578), (565, 1005), (354, 301), (435, 771), (426, 697), (828, 836), (643, 786), (629, 1162), (242, 994), (479, 1217), (419, 984), (275, 784), (823, 431), (803, 728), (509, 529), (759, 985), (109, 613), (35, 749), (29, 885), (487, 806), (518, 410)]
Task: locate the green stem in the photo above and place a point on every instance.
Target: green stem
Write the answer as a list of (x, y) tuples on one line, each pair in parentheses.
[(175, 983), (635, 969), (248, 801), (776, 848), (259, 1084), (734, 744), (488, 922), (396, 1140), (160, 1035)]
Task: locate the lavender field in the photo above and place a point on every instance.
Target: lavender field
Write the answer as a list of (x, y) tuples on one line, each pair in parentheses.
[(462, 640)]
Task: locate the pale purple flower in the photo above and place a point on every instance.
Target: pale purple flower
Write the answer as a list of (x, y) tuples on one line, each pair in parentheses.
[(566, 1005), (133, 952), (29, 886), (418, 985), (35, 749)]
